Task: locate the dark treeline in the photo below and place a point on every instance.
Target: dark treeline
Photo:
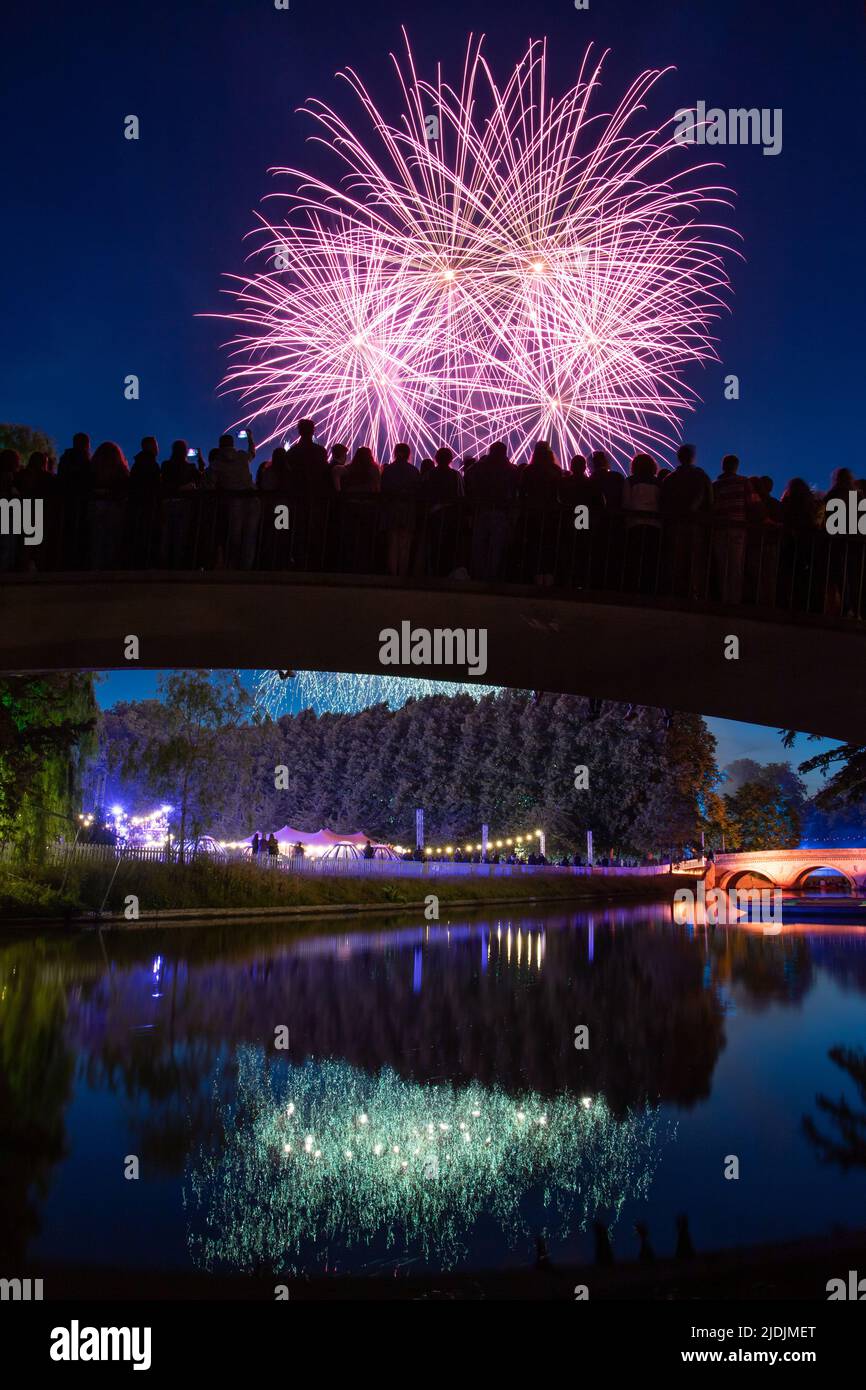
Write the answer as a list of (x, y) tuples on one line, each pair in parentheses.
[(507, 759)]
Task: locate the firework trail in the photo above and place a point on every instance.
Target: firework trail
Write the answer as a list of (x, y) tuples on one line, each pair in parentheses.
[(498, 264), (345, 693)]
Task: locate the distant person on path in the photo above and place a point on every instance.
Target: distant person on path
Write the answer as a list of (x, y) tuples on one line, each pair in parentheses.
[(273, 846), (256, 844), (368, 851)]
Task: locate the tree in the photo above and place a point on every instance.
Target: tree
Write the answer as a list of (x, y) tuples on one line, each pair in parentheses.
[(181, 745), (26, 441), (763, 815), (46, 730)]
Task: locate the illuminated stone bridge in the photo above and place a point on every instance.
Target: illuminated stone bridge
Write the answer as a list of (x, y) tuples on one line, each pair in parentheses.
[(789, 868)]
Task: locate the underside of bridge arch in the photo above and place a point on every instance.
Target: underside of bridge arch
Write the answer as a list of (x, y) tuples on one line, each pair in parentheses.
[(830, 870), (748, 878), (649, 652)]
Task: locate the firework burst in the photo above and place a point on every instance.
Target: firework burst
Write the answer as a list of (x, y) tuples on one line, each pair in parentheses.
[(497, 264), (346, 693)]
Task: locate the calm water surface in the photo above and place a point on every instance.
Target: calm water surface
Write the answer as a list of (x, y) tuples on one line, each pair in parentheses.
[(431, 1108)]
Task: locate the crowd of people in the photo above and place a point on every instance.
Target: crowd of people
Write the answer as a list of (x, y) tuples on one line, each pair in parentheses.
[(305, 507)]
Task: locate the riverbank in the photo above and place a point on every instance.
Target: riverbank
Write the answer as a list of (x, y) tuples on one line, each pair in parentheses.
[(166, 894)]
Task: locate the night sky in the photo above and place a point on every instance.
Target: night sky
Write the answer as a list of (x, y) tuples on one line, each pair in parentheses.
[(112, 247)]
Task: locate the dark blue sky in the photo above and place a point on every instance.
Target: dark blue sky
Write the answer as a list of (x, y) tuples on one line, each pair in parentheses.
[(111, 247)]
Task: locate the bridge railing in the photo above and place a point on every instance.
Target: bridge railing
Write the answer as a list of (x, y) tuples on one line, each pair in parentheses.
[(696, 559)]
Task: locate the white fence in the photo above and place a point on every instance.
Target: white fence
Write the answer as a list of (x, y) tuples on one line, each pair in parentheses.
[(347, 867)]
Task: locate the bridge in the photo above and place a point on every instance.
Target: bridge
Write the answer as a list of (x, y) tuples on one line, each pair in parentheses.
[(617, 616), (789, 868)]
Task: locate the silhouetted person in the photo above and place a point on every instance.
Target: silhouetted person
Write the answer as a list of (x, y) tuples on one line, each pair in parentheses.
[(640, 505), (110, 477), (308, 462), (256, 844), (230, 472), (607, 479), (539, 491), (314, 485), (542, 1259), (401, 483), (442, 489), (338, 463), (603, 1247), (492, 488), (180, 478), (35, 479), (685, 1250), (368, 851), (359, 518), (143, 508), (686, 498), (802, 547), (273, 846), (646, 1255), (73, 470), (734, 503)]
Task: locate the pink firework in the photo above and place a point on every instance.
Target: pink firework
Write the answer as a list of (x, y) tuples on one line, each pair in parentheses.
[(499, 264)]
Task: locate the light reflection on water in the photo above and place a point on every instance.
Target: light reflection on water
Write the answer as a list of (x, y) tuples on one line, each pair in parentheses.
[(703, 1042)]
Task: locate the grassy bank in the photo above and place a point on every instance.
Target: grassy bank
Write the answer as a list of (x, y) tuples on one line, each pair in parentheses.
[(38, 893)]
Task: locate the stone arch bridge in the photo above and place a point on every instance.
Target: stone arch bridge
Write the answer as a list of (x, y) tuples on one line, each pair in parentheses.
[(788, 868)]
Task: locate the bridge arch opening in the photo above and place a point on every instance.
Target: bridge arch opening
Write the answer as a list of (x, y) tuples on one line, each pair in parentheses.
[(824, 878), (749, 878)]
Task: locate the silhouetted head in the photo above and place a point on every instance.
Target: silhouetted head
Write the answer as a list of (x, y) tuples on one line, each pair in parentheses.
[(227, 441), (599, 463), (149, 445), (687, 453), (765, 485), (110, 456), (643, 468), (214, 454), (578, 465), (426, 466), (339, 453), (843, 480), (9, 462), (363, 461), (498, 451), (179, 450), (543, 454), (306, 429), (730, 464), (402, 453), (37, 462), (797, 490), (81, 442), (279, 457), (444, 457)]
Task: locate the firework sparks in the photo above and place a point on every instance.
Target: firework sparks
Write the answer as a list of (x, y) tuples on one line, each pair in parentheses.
[(499, 263), (346, 693)]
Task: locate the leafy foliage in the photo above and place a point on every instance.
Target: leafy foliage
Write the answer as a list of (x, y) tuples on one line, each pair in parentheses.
[(505, 759)]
